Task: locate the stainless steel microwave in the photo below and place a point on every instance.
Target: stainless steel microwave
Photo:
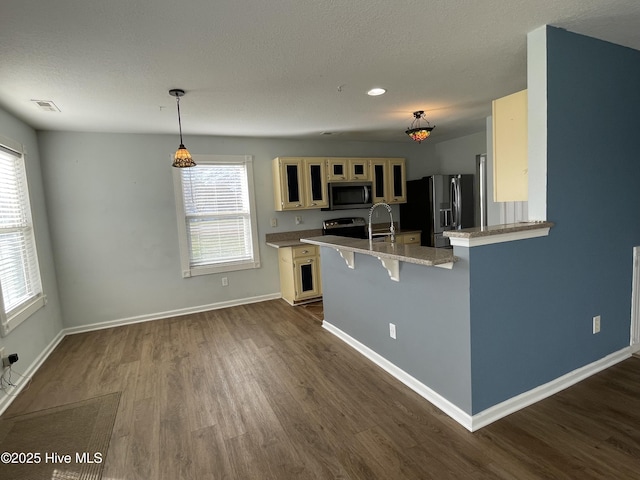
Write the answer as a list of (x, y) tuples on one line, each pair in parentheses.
[(347, 195)]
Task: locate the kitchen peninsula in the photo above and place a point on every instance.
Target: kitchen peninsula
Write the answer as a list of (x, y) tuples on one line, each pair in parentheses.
[(418, 327), (389, 254)]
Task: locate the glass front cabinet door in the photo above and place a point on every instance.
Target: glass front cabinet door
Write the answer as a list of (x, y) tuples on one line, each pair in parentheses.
[(389, 180), (315, 183), (306, 278), (299, 183)]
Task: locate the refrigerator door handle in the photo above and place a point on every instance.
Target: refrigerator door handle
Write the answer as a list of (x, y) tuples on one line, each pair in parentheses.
[(455, 212)]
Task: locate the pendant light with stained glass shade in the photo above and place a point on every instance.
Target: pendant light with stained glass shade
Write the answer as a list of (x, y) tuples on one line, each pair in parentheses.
[(419, 132), (182, 158)]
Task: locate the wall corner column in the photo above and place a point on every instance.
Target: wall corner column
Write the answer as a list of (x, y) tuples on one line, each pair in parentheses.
[(537, 122)]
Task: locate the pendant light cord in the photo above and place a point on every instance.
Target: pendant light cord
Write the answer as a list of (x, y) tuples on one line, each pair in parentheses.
[(179, 121)]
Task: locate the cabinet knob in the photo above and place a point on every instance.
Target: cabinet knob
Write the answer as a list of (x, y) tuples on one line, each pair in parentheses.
[(305, 251), (313, 204), (298, 205), (309, 261)]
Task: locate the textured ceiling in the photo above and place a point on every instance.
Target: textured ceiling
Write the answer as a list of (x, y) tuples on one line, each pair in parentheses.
[(279, 68)]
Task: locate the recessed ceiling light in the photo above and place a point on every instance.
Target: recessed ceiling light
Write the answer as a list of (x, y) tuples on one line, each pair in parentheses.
[(374, 92)]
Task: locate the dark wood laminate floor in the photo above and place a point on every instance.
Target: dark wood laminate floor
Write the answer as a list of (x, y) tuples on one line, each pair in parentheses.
[(263, 392)]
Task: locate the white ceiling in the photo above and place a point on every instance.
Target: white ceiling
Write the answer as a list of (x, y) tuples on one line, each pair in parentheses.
[(279, 68)]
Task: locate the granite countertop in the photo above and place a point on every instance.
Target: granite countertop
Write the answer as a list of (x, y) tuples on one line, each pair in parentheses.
[(496, 229), (290, 239), (404, 253), (478, 236)]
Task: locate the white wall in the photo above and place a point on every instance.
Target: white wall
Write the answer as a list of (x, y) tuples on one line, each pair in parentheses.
[(33, 335), (459, 155), (113, 221), (448, 157)]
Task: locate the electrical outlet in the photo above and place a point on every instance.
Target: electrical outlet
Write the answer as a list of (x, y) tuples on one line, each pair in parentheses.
[(392, 331), (274, 222), (225, 282), (596, 324), (298, 220)]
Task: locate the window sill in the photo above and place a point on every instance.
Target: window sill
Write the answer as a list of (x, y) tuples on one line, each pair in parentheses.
[(22, 314), (209, 270)]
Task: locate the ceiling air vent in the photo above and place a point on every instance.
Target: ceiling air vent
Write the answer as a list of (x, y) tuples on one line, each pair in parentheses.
[(46, 105)]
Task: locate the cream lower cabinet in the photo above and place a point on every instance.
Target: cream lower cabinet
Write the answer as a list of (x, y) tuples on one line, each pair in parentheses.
[(300, 280), (406, 238)]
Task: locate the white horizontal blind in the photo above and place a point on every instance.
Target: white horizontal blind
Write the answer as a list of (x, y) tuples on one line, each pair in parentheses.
[(217, 208), (19, 273)]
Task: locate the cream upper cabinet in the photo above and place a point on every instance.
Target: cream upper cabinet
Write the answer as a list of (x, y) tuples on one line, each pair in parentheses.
[(315, 183), (337, 169), (510, 157), (389, 180), (348, 169), (299, 183), (359, 169)]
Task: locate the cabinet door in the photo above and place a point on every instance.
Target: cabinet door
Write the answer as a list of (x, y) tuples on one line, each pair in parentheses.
[(306, 278), (359, 169), (315, 183), (379, 179), (338, 169), (510, 156), (397, 181), (290, 183)]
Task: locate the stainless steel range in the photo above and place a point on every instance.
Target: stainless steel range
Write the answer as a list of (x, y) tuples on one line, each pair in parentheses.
[(354, 227)]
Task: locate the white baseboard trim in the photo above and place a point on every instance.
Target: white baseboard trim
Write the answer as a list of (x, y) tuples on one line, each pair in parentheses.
[(7, 399), (490, 415), (541, 392), (170, 313), (420, 388)]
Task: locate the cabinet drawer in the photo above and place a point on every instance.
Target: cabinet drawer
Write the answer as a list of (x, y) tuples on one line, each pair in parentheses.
[(411, 239), (305, 251), (406, 239)]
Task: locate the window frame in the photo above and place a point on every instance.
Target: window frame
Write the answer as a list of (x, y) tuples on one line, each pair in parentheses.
[(189, 270), (10, 320)]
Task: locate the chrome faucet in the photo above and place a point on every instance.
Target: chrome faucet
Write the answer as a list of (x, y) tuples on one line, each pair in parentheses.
[(392, 229)]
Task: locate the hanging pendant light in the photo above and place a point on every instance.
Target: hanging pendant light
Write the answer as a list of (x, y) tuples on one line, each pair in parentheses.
[(182, 158), (417, 132)]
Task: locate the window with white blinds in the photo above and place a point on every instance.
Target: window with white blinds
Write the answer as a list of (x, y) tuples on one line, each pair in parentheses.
[(216, 215), (19, 272)]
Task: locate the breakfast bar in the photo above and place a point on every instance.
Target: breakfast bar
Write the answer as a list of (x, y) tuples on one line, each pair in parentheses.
[(417, 327), (389, 254)]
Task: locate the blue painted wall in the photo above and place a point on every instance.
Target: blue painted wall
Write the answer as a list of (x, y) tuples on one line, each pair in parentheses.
[(532, 301)]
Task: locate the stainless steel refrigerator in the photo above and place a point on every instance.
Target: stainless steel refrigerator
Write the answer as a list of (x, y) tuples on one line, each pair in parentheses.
[(438, 203)]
